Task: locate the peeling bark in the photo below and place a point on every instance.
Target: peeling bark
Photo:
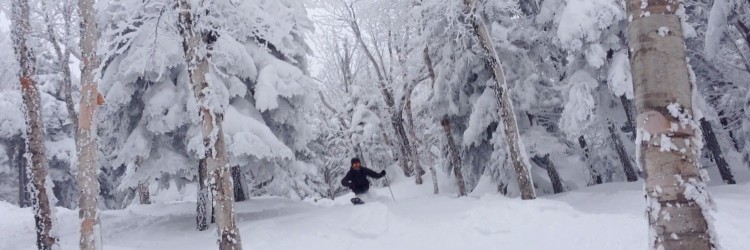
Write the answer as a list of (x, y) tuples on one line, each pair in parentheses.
[(211, 128), (677, 198), (35, 157)]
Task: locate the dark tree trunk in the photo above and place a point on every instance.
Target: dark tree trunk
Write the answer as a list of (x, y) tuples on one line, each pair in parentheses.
[(239, 191), (204, 199), (713, 146), (630, 173), (18, 159), (596, 178), (454, 157), (143, 193), (628, 106), (554, 177)]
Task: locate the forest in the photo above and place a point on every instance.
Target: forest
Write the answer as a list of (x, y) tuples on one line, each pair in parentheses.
[(525, 124)]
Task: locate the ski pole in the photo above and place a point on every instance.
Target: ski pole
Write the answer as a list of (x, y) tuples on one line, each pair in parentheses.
[(389, 187)]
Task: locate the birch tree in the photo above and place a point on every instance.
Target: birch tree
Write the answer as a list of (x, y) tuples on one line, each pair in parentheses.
[(196, 44), (36, 159), (669, 138), (502, 95), (86, 143)]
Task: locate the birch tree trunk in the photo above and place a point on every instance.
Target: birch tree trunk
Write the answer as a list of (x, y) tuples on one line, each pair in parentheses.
[(88, 186), (431, 73), (713, 146), (36, 159), (454, 157), (678, 202), (512, 135), (213, 134)]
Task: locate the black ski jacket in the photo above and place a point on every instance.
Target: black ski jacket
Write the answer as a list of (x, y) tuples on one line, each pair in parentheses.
[(357, 179)]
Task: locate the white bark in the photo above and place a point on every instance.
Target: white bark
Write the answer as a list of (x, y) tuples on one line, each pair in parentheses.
[(502, 94), (678, 203), (213, 134), (86, 143), (36, 159)]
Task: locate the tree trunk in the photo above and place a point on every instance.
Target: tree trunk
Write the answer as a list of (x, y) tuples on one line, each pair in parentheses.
[(596, 178), (627, 166), (677, 199), (627, 105), (18, 159), (554, 177), (35, 157), (418, 170), (203, 206), (143, 193), (505, 105), (239, 191), (454, 157), (713, 146), (213, 134), (88, 186)]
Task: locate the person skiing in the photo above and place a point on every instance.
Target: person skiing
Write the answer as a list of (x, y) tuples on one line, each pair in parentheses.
[(356, 180)]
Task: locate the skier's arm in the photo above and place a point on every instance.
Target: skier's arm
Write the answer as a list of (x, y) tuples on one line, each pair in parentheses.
[(372, 174), (347, 181)]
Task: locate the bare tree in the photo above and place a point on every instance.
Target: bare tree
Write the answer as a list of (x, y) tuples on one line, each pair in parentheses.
[(502, 96), (677, 199), (36, 159), (211, 127)]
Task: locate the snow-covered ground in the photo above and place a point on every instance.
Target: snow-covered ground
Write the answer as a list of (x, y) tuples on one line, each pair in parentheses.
[(606, 216)]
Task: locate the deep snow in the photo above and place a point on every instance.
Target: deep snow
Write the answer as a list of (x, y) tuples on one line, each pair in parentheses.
[(608, 216)]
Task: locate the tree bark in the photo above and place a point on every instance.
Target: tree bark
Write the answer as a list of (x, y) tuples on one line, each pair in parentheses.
[(554, 177), (211, 128), (203, 206), (239, 191), (510, 126), (454, 157), (677, 198), (627, 105), (18, 159), (88, 186), (630, 174), (36, 159), (143, 193), (713, 146), (596, 178), (418, 170)]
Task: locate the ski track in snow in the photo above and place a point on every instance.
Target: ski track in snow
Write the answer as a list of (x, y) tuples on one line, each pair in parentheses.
[(609, 216)]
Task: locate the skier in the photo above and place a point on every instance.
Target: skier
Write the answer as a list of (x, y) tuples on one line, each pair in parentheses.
[(356, 180)]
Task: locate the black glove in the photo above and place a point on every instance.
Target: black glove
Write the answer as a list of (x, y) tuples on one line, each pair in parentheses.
[(382, 173)]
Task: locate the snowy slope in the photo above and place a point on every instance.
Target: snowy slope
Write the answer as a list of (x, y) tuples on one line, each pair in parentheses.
[(607, 216)]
